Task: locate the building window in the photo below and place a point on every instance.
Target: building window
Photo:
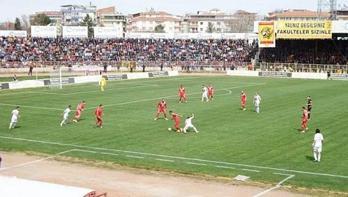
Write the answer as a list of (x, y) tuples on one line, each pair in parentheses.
[(201, 23), (201, 29)]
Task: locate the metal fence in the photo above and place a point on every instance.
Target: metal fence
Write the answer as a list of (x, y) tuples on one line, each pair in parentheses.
[(296, 67), (122, 66)]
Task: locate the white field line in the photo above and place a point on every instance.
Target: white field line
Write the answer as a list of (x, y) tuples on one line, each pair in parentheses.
[(14, 93), (116, 104), (197, 164), (31, 107), (176, 157), (134, 156), (283, 174), (225, 167), (35, 161), (84, 92), (153, 99), (123, 82), (165, 160), (275, 187), (130, 102), (250, 170)]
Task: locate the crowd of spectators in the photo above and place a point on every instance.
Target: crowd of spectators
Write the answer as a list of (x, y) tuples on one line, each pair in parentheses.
[(79, 50), (307, 52), (195, 52)]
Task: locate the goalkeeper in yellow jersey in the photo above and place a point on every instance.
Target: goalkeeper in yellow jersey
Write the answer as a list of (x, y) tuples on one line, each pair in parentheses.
[(102, 83)]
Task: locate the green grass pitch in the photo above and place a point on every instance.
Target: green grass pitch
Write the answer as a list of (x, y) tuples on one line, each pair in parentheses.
[(230, 142)]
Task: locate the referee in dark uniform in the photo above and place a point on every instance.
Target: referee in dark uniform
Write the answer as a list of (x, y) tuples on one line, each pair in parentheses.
[(309, 106)]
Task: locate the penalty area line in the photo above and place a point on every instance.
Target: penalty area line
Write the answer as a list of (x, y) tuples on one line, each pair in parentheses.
[(229, 92)]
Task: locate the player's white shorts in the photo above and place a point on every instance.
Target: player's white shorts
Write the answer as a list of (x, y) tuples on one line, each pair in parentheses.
[(14, 119), (317, 149), (205, 95), (188, 126), (65, 117)]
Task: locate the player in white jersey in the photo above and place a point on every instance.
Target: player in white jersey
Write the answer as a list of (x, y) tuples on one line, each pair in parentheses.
[(188, 124), (205, 94), (65, 115), (257, 102), (14, 118), (317, 145)]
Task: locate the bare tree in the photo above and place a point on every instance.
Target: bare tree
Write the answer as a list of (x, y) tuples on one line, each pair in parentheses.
[(25, 22), (210, 28)]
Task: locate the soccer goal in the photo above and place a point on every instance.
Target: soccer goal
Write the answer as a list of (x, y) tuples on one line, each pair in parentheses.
[(56, 78)]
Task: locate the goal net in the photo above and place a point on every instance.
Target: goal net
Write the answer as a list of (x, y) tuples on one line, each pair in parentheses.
[(56, 78)]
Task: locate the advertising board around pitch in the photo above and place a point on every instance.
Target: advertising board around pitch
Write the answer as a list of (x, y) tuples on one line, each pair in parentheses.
[(75, 32), (44, 31), (304, 29), (13, 33), (107, 32)]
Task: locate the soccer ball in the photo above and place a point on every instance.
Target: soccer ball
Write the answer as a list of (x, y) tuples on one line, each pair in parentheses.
[(169, 129)]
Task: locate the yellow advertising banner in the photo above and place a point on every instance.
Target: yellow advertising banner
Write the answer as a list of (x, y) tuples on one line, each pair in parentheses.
[(304, 29), (266, 34)]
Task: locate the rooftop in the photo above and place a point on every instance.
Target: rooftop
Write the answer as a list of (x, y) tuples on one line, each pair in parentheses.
[(297, 13)]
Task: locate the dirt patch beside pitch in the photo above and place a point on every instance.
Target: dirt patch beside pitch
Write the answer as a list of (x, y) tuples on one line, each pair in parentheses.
[(123, 181)]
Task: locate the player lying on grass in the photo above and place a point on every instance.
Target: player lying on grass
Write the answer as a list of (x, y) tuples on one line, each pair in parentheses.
[(65, 115), (14, 118), (182, 94), (176, 118), (79, 109), (162, 109), (99, 116), (243, 99), (189, 125), (304, 122)]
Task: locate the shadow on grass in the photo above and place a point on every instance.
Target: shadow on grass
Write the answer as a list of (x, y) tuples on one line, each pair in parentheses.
[(310, 158)]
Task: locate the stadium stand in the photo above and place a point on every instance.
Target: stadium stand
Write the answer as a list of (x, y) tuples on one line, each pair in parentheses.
[(307, 52), (18, 50)]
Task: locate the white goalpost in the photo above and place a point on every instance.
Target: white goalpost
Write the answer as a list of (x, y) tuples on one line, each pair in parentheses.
[(56, 78)]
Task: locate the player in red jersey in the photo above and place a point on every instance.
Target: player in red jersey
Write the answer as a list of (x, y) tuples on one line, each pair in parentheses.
[(243, 99), (162, 108), (79, 109), (176, 118), (304, 122), (99, 116), (182, 94), (210, 92)]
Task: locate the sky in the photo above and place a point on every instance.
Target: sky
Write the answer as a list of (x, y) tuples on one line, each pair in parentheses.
[(9, 9)]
